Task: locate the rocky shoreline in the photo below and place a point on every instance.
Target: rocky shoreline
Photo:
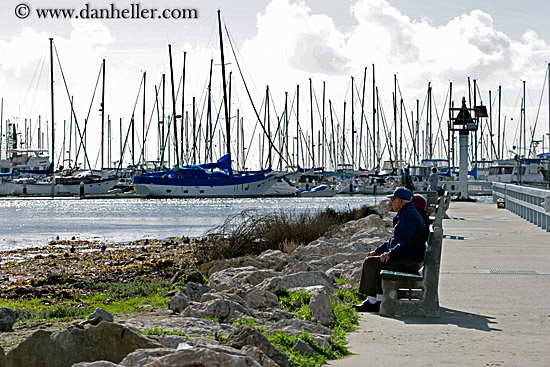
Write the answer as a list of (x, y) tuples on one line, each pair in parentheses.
[(205, 323)]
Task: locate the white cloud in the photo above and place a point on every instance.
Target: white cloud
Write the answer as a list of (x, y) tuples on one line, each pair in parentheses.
[(291, 45)]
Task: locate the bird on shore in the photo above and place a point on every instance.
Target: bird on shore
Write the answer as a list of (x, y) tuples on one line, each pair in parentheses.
[(72, 248), (103, 247)]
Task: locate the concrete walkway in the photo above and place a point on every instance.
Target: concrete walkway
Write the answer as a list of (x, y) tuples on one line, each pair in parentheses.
[(494, 297)]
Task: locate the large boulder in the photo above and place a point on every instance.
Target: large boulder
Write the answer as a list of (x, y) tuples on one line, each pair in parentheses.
[(99, 315), (2, 357), (260, 299), (222, 310), (194, 291), (259, 356), (7, 319), (238, 262), (321, 308), (235, 277), (273, 259), (220, 356), (96, 364), (247, 335), (178, 302), (186, 325), (106, 341), (301, 279)]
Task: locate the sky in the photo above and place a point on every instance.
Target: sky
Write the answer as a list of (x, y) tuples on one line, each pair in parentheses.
[(282, 44)]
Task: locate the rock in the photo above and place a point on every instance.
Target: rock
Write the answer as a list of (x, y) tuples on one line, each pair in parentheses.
[(7, 319), (194, 291), (178, 302), (223, 310), (303, 347), (301, 279), (2, 357), (238, 262), (194, 357), (322, 341), (173, 341), (101, 315), (297, 326), (106, 341), (259, 356), (186, 325), (247, 335), (96, 364), (349, 271), (321, 309), (194, 276), (276, 314), (142, 357), (299, 267), (259, 299), (273, 259), (225, 295), (233, 277)]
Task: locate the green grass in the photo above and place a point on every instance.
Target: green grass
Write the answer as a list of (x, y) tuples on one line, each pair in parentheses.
[(286, 343), (113, 297), (296, 302)]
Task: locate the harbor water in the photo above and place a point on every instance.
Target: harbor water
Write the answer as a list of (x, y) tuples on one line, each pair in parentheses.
[(31, 222)]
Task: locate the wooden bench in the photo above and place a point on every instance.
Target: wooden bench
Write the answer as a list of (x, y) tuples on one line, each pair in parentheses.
[(410, 293)]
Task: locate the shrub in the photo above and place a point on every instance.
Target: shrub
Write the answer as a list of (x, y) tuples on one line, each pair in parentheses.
[(251, 233)]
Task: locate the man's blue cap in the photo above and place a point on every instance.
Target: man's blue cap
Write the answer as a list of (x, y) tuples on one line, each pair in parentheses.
[(402, 193)]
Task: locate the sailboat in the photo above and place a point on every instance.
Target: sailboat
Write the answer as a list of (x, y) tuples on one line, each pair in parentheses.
[(81, 184), (211, 180)]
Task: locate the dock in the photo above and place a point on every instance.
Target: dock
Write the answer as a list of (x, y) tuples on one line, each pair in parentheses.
[(494, 299)]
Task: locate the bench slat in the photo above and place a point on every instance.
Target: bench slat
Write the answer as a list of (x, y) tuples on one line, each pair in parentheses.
[(395, 275)]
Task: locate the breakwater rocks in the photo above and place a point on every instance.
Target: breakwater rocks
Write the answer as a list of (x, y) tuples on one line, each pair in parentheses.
[(206, 327)]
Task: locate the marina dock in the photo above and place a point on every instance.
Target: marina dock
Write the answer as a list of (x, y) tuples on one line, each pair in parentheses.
[(493, 294)]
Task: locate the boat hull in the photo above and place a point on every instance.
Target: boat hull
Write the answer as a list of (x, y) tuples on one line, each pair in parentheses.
[(159, 188), (46, 188)]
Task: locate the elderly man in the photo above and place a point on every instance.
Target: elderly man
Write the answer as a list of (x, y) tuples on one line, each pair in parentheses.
[(404, 251)]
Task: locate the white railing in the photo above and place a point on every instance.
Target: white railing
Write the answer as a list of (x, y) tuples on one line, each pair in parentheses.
[(527, 202)]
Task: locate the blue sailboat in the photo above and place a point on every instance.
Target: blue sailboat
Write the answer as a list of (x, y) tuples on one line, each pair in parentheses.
[(210, 180)]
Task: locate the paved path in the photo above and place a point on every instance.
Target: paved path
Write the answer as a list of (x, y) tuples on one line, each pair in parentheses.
[(494, 297)]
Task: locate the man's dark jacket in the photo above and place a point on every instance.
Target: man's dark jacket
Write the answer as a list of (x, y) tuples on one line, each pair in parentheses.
[(408, 238)]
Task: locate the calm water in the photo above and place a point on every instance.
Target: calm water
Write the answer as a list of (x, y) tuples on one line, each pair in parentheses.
[(34, 222)]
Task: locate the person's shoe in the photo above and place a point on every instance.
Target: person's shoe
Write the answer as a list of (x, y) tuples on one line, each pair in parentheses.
[(366, 306)]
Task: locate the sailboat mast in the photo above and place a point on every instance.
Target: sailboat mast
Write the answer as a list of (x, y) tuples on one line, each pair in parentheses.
[(143, 120), (225, 105), (362, 117), (311, 116), (174, 121), (102, 115), (182, 103), (297, 126), (395, 118), (373, 119), (352, 123), (52, 157)]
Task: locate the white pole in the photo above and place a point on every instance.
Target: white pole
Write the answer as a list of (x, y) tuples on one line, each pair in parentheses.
[(463, 172)]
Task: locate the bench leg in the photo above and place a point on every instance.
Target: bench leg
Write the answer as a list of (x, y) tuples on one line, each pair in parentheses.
[(390, 304)]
